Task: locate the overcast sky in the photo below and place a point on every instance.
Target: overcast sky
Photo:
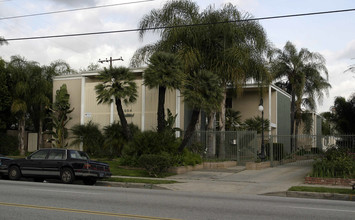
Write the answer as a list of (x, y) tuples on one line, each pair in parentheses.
[(332, 35)]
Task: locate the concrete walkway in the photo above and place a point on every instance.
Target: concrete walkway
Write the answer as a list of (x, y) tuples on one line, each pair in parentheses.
[(241, 181)]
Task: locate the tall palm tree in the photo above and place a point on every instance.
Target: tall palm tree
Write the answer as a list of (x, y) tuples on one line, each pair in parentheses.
[(300, 73), (164, 71), (232, 50), (201, 92), (235, 49), (117, 84), (20, 76), (173, 13)]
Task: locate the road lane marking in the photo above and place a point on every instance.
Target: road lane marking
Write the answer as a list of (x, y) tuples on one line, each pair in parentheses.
[(83, 211), (322, 209), (62, 191)]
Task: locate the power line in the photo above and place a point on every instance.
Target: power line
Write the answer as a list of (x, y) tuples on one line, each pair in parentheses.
[(179, 26), (75, 9)]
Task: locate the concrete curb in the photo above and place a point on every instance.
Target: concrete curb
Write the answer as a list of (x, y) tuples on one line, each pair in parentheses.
[(130, 185), (313, 195)]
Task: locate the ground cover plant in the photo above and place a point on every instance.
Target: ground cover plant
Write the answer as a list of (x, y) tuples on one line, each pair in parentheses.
[(335, 163)]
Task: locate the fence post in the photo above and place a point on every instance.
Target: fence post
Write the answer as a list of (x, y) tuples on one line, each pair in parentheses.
[(271, 150)]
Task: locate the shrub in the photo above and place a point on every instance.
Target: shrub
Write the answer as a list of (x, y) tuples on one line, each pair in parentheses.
[(150, 142), (197, 148), (155, 164), (90, 136), (277, 151), (187, 158), (8, 145), (115, 139), (336, 163)]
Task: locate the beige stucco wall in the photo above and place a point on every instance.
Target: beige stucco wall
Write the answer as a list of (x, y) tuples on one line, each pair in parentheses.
[(101, 113), (248, 102)]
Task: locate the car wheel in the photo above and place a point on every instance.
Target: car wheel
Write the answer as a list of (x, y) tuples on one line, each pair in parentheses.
[(67, 175), (89, 181), (14, 173)]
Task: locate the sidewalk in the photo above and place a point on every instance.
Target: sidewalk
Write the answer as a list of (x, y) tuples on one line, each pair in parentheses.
[(273, 181), (241, 181)]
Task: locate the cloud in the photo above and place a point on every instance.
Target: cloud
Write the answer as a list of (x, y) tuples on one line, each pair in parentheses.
[(73, 2), (348, 52)]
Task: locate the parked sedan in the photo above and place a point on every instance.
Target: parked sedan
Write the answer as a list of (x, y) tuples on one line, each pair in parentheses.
[(64, 164)]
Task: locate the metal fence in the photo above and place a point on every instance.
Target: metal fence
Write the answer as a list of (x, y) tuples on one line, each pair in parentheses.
[(244, 146)]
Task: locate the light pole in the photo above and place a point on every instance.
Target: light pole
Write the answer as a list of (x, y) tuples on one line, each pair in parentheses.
[(261, 108)]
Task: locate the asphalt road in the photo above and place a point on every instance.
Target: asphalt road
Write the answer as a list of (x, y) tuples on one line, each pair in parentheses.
[(30, 200)]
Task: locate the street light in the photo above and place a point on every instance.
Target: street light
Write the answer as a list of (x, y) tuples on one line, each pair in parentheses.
[(261, 109)]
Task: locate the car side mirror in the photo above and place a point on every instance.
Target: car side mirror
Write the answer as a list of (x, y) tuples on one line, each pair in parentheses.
[(27, 158)]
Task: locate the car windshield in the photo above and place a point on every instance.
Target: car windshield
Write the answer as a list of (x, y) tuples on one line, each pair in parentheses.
[(78, 155)]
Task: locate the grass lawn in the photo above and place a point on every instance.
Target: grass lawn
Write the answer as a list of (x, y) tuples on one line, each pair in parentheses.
[(137, 180), (321, 189)]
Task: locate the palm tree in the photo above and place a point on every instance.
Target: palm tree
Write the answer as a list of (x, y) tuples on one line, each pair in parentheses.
[(300, 74), (173, 13), (233, 119), (201, 92), (163, 72), (43, 93), (232, 50), (117, 84), (20, 77)]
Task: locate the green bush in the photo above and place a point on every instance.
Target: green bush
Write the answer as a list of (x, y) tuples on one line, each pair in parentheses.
[(336, 163), (277, 151), (128, 160), (197, 148), (8, 145), (150, 142), (190, 158), (155, 164), (115, 141)]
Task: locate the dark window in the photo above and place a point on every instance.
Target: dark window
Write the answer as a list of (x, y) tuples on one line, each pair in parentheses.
[(229, 103), (56, 155), (39, 155)]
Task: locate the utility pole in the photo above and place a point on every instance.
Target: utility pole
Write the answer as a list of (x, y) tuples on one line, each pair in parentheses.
[(110, 60)]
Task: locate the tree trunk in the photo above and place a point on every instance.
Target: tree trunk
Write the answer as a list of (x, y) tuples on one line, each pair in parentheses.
[(222, 127), (161, 112), (293, 103), (40, 130), (222, 114), (190, 129), (21, 135), (211, 137), (296, 133), (123, 120)]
